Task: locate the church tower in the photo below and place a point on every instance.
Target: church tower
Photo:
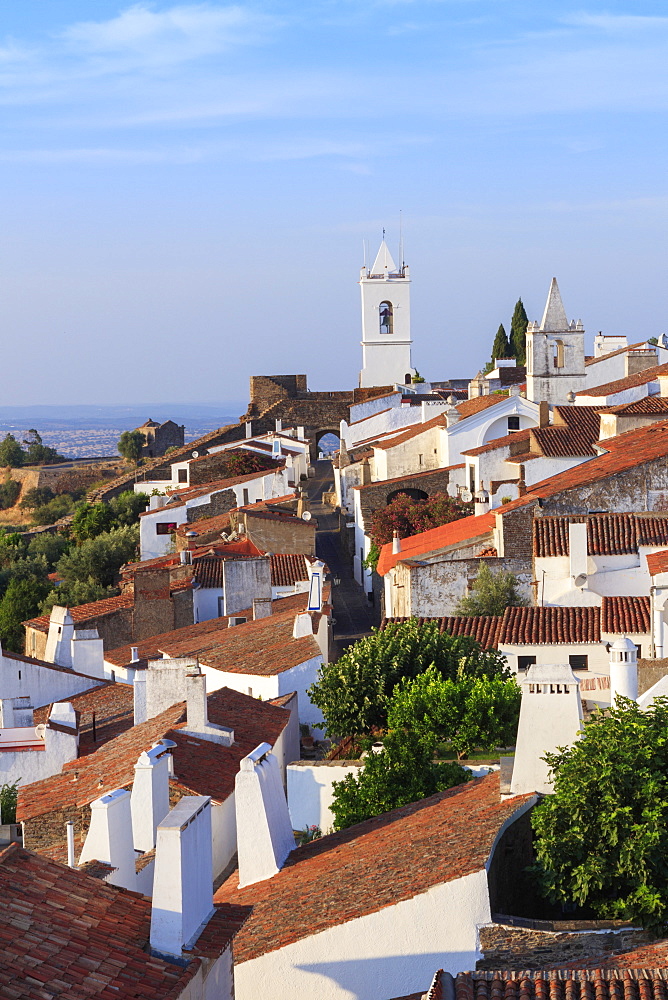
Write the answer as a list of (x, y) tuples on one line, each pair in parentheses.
[(386, 322), (555, 354)]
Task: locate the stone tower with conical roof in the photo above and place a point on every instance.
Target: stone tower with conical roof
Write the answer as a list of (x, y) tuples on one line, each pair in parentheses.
[(386, 322), (555, 354)]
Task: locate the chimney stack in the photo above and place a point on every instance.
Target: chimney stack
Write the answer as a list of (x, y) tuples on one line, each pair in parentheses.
[(396, 543), (261, 607), (316, 575), (623, 670), (197, 720), (543, 413), (109, 837), (150, 796), (183, 880), (59, 640), (249, 429), (264, 829)]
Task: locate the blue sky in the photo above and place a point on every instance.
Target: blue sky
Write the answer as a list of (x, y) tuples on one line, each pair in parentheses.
[(185, 188)]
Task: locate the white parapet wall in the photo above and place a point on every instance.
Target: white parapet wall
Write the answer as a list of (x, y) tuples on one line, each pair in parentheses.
[(311, 792)]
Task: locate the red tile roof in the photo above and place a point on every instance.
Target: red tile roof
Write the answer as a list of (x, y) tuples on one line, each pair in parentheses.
[(648, 404), (111, 704), (413, 475), (414, 431), (201, 767), (65, 934), (650, 957), (82, 613), (287, 569), (479, 403), (621, 615), (563, 984), (371, 866), (456, 532), (482, 628), (613, 354), (630, 382), (530, 626), (502, 442), (607, 534), (657, 562)]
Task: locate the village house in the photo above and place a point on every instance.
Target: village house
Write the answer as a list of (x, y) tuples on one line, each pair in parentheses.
[(209, 736), (158, 437)]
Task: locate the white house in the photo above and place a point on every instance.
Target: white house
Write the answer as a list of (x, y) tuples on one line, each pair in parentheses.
[(369, 912), (31, 752)]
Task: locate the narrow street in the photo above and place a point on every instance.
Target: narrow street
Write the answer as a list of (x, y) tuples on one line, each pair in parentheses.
[(353, 615)]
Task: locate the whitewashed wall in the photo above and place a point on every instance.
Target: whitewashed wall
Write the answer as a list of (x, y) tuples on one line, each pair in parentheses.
[(311, 793), (42, 684), (392, 952)]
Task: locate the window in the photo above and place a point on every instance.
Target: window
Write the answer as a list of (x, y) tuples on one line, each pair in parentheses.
[(472, 478), (513, 424), (420, 459), (165, 527), (524, 662), (385, 314), (183, 475), (578, 661), (245, 492), (558, 354)]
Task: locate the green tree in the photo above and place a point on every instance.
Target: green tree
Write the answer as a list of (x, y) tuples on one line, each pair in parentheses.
[(467, 712), (92, 520), (409, 517), (353, 692), (50, 545), (9, 796), (36, 497), (518, 330), (11, 452), (602, 837), (491, 593), (130, 445), (501, 346), (98, 560), (21, 601), (9, 493), (38, 453), (404, 771), (52, 511)]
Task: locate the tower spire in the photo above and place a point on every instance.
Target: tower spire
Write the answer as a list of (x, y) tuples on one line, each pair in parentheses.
[(554, 317)]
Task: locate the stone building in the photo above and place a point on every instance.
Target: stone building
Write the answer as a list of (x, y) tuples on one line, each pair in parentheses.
[(159, 437)]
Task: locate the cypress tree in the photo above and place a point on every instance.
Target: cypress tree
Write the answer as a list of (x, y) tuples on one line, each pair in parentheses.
[(501, 347), (518, 330)]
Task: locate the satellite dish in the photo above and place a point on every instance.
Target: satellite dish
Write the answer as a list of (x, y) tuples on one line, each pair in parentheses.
[(580, 580), (195, 454), (466, 496), (40, 731), (306, 516)]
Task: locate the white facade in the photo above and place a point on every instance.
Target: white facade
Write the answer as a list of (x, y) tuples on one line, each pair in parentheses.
[(21, 677), (555, 356), (30, 753), (311, 791), (386, 322)]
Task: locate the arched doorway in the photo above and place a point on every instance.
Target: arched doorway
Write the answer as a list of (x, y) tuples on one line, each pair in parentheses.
[(327, 442), (412, 494)]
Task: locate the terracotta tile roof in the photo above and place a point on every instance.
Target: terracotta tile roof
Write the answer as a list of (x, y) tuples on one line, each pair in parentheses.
[(563, 984), (613, 354), (414, 475), (502, 442), (529, 626), (483, 628), (650, 958), (607, 534), (150, 648), (414, 431), (111, 704), (558, 441), (287, 569), (107, 606), (454, 533), (470, 406), (201, 767), (648, 404), (622, 453), (629, 382), (65, 934), (371, 866), (657, 562), (621, 615)]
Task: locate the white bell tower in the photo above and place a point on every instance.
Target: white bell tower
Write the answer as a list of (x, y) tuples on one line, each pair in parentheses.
[(555, 354), (386, 322)]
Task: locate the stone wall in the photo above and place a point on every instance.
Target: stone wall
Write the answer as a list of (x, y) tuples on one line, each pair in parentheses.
[(220, 503), (517, 531), (374, 496), (649, 672), (622, 492), (547, 944), (272, 534), (50, 829), (267, 389)]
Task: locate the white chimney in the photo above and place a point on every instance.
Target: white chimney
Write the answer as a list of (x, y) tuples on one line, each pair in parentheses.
[(150, 796), (396, 543), (623, 670), (109, 837), (300, 433), (88, 653), (197, 723), (59, 641), (481, 505), (303, 625), (279, 425), (134, 654), (264, 829), (316, 573), (140, 697), (577, 552), (550, 717), (183, 880), (249, 429)]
